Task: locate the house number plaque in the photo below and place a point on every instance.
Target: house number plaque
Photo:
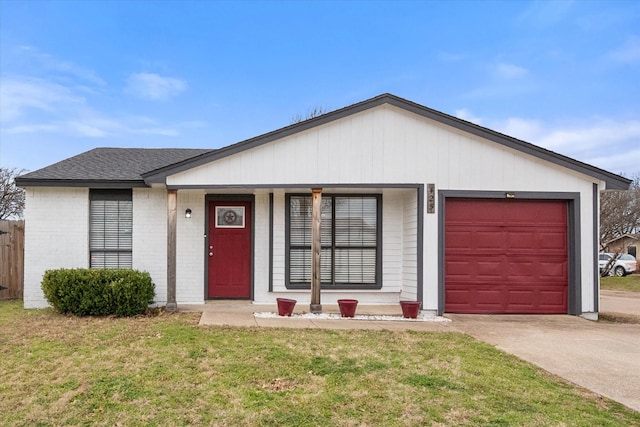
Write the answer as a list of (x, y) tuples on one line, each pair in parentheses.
[(431, 198)]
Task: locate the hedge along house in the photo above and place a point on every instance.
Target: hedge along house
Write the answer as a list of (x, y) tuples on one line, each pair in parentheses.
[(415, 205)]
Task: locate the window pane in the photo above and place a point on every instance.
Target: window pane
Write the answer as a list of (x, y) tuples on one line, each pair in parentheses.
[(349, 259), (300, 210), (300, 221), (110, 233), (356, 221), (355, 266), (111, 260), (300, 266)]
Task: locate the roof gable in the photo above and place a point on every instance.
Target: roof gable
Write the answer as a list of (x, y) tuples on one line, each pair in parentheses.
[(634, 236), (613, 181), (140, 167)]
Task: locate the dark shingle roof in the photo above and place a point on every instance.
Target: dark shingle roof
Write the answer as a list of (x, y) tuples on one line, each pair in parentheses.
[(108, 166)]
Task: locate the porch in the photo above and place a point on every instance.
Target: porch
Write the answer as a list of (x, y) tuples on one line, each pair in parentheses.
[(241, 313)]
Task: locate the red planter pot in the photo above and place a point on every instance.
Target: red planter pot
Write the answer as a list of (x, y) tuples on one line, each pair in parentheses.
[(347, 307), (410, 309), (285, 306)]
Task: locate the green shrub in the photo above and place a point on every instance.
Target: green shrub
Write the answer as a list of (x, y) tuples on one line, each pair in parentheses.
[(91, 292)]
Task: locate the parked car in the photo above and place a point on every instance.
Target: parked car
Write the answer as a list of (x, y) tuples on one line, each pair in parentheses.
[(625, 264)]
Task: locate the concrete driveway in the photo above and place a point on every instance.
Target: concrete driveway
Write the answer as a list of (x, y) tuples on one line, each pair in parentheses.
[(604, 358)]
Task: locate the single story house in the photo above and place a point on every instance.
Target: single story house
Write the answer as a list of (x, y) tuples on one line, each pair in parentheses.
[(626, 244), (415, 205)]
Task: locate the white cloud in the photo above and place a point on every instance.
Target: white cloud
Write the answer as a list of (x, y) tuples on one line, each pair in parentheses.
[(36, 106), (56, 97), (545, 13), (509, 71), (611, 144), (50, 63), (525, 129), (467, 115), (598, 134), (153, 86), (627, 52), (503, 80), (20, 95)]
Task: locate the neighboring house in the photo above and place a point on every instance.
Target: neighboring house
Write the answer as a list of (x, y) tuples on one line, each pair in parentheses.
[(416, 205), (626, 244)]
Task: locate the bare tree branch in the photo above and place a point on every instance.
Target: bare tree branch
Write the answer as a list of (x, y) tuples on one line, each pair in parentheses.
[(11, 196), (311, 113), (619, 212)]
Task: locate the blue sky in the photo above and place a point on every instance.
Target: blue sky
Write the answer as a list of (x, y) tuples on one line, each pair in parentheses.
[(75, 75)]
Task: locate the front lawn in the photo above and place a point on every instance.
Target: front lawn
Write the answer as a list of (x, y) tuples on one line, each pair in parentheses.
[(630, 283), (165, 370)]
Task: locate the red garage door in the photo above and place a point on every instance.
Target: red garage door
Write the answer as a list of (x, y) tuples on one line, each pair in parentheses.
[(505, 256)]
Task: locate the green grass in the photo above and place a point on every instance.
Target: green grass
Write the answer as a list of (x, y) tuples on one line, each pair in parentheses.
[(167, 371), (629, 283)]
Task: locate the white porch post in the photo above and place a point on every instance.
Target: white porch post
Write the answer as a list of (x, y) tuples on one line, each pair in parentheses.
[(316, 246)]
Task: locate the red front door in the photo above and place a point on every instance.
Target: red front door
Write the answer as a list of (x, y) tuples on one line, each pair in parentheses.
[(229, 252)]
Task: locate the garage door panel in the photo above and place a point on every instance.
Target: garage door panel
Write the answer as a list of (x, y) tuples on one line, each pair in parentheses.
[(553, 240), (513, 257), (459, 214), (489, 268), (520, 271), (496, 298), (488, 240), (520, 240), (460, 239), (461, 268), (554, 271)]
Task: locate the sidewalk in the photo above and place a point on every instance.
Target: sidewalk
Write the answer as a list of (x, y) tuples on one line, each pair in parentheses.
[(620, 302), (241, 313)]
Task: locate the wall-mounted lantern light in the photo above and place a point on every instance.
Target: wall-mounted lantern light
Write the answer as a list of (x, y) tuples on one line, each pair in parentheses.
[(187, 213)]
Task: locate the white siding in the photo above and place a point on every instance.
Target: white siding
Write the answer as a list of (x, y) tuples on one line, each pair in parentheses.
[(260, 261), (392, 234), (387, 145), (56, 236), (150, 237), (279, 243), (587, 250), (190, 248), (410, 246), (390, 146)]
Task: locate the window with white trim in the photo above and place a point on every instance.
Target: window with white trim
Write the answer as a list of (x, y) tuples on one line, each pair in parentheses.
[(350, 239), (110, 228)]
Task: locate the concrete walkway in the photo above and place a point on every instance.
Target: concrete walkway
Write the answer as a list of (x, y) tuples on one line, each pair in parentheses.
[(604, 358)]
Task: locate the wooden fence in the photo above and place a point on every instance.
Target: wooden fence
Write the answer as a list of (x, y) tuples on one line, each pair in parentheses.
[(11, 259)]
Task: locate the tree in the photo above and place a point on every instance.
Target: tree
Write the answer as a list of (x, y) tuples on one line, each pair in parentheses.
[(11, 196), (619, 212), (311, 113)]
